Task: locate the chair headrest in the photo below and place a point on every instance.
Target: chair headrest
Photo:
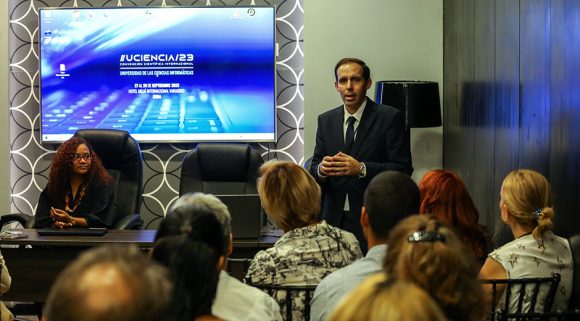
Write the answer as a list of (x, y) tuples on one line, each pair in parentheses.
[(224, 162), (116, 148)]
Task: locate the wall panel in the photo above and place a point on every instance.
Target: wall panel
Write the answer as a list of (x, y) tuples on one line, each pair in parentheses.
[(534, 140), (483, 110), (506, 87), (524, 97), (465, 74), (565, 113), (451, 128)]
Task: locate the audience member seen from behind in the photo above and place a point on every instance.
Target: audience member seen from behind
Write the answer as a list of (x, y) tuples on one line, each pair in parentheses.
[(525, 206), (444, 195), (193, 267), (309, 249), (390, 197), (234, 301), (379, 299), (5, 281), (423, 251), (79, 191), (110, 283)]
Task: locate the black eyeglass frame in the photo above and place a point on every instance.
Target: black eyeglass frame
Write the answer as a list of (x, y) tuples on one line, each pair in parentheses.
[(85, 156)]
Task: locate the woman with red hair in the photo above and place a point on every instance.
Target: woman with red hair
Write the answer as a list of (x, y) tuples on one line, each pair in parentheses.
[(79, 191), (444, 195)]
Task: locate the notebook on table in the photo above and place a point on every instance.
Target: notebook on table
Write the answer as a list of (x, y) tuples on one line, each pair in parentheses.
[(74, 231), (246, 213)]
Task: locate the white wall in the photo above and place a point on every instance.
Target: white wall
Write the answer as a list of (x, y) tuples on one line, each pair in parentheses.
[(398, 39), (4, 113)]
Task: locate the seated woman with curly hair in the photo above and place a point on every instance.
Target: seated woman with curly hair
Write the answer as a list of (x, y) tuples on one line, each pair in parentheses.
[(425, 252), (79, 191)]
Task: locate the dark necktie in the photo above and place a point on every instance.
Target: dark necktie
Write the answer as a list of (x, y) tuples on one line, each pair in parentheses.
[(349, 138)]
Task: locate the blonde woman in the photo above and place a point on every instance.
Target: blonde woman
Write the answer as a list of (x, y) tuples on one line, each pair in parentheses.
[(309, 249), (425, 252), (379, 299), (525, 206)]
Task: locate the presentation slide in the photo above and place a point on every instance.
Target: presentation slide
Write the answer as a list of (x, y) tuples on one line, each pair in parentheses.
[(163, 74)]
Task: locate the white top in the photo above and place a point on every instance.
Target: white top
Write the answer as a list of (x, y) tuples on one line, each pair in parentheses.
[(527, 257), (236, 301)]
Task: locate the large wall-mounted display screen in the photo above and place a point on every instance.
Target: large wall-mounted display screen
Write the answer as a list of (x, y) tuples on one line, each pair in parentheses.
[(163, 74)]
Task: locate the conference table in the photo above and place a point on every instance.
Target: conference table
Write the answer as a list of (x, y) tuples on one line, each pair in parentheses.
[(35, 261)]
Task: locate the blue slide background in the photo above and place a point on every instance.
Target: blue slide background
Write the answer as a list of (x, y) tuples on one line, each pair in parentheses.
[(232, 89)]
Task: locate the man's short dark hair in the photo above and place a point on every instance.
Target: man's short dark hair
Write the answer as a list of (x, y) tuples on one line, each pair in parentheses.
[(139, 288), (390, 197), (366, 71)]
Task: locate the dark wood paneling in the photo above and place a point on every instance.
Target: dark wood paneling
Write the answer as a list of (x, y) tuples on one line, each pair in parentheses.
[(465, 74), (507, 101), (484, 110), (534, 140), (565, 113), (506, 87), (451, 123), (512, 99)]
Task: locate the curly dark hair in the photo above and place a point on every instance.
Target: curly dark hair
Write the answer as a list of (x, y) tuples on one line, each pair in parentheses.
[(61, 168)]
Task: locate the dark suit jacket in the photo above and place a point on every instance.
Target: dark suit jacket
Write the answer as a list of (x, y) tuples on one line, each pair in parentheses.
[(380, 143)]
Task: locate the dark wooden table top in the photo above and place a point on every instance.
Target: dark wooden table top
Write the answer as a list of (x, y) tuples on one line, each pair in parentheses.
[(138, 237), (35, 261), (141, 238)]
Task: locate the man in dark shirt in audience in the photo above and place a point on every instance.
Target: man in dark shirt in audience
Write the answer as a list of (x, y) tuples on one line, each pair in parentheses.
[(390, 197), (110, 283)]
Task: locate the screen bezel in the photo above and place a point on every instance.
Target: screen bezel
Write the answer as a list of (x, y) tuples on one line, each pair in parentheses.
[(165, 137)]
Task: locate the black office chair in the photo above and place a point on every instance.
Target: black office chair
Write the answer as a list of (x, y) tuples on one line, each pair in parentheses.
[(294, 300), (121, 156), (220, 169), (574, 242), (26, 221), (238, 267), (528, 292)]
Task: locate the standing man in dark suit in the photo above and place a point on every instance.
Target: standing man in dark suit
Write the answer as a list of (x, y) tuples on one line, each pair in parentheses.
[(355, 142)]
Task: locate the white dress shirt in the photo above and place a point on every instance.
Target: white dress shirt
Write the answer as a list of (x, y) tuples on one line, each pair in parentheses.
[(236, 301)]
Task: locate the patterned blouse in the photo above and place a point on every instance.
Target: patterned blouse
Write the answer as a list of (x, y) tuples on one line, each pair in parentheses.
[(527, 257), (303, 256)]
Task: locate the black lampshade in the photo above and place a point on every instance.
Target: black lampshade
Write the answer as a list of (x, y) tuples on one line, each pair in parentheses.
[(417, 100)]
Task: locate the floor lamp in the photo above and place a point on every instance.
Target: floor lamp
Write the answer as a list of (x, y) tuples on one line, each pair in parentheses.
[(418, 101)]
